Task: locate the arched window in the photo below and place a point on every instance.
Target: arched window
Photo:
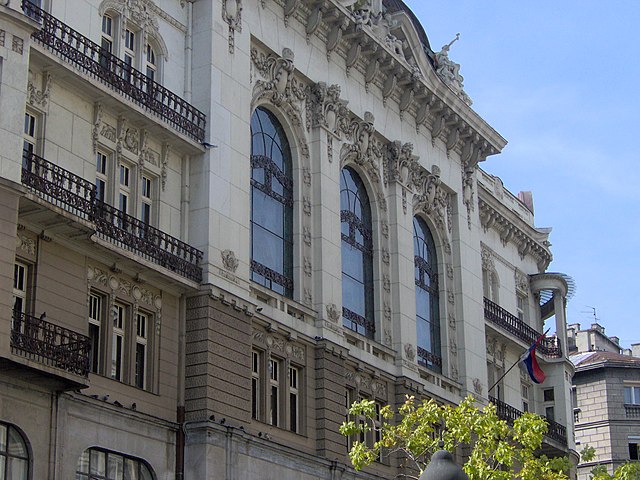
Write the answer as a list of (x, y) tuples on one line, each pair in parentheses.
[(14, 455), (357, 255), (271, 204), (427, 307), (100, 464)]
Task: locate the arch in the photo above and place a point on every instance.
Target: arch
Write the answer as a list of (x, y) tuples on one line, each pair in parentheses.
[(427, 297), (95, 462), (15, 453), (357, 254), (271, 204)]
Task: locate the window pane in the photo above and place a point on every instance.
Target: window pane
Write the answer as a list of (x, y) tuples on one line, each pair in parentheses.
[(97, 462), (3, 438), (17, 468), (628, 395), (115, 467), (83, 462), (15, 444)]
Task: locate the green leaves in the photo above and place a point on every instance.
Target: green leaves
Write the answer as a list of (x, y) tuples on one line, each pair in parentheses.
[(498, 451)]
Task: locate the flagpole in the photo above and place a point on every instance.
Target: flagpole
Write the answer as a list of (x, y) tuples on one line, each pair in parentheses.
[(517, 362)]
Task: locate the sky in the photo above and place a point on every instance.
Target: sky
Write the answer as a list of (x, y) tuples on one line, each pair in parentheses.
[(560, 81)]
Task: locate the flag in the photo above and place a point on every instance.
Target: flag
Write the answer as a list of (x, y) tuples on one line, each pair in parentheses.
[(531, 362)]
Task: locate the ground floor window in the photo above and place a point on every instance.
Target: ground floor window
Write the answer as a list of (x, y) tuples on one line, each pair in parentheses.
[(14, 454), (100, 464)]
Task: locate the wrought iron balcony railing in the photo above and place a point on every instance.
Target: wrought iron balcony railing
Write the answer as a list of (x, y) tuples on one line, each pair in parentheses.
[(100, 64), (509, 414), (50, 344), (78, 196), (137, 236), (512, 324)]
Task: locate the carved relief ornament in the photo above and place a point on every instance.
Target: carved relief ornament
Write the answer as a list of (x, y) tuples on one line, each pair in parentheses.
[(232, 15), (363, 148), (327, 109), (430, 197)]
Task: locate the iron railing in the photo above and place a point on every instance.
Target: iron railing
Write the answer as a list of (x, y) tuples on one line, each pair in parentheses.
[(100, 64), (509, 414), (58, 186), (512, 324), (50, 344), (78, 196), (139, 237)]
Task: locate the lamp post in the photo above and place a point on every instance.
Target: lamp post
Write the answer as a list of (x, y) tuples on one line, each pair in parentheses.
[(442, 467)]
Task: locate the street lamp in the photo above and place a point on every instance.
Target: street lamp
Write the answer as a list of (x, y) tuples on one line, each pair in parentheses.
[(442, 467)]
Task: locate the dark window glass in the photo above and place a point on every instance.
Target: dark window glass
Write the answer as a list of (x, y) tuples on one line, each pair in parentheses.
[(271, 204), (14, 456), (357, 255), (98, 464), (427, 306)]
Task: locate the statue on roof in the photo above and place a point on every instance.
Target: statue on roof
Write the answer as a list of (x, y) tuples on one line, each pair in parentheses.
[(449, 71)]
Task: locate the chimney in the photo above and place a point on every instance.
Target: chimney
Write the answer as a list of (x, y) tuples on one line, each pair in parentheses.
[(635, 349), (615, 340), (527, 199)]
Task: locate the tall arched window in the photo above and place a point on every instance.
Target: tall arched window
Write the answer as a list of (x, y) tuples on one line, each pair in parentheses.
[(357, 255), (14, 455), (271, 204), (427, 307)]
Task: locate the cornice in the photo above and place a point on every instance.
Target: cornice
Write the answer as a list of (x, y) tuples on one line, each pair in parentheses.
[(512, 229), (404, 75)]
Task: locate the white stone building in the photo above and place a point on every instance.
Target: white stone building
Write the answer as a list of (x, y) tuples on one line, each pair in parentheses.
[(224, 221)]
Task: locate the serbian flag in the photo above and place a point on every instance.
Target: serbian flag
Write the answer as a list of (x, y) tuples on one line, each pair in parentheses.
[(531, 362)]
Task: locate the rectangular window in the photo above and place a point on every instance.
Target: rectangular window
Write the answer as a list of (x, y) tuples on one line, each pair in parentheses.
[(95, 325), (632, 395), (101, 176), (145, 205), (550, 413), (123, 197), (633, 451), (106, 42), (117, 348), (523, 308), (129, 52), (20, 287), (548, 395), (141, 350), (255, 385), (29, 136), (294, 400), (274, 393), (151, 63)]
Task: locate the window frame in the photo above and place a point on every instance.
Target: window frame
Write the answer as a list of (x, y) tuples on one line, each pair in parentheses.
[(104, 333), (277, 275), (86, 458), (5, 456), (634, 395), (357, 240), (427, 283)]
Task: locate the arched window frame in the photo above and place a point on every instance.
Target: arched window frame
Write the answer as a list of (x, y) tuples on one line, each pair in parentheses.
[(357, 236), (277, 184), (429, 348), (15, 453), (85, 469)]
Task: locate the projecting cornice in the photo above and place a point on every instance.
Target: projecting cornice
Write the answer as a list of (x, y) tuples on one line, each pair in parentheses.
[(387, 51), (513, 229)]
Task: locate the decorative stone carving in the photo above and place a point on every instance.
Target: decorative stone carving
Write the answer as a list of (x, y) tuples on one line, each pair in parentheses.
[(232, 15), (386, 282), (26, 244), (453, 346), (430, 197), (166, 149), (468, 193), (279, 77), (306, 236), (308, 268), (449, 272), (454, 372), (409, 351), (477, 386), (109, 132), (385, 229), (387, 311), (327, 109), (229, 260), (364, 150), (144, 148), (333, 313), (39, 98), (399, 163), (386, 257), (452, 321), (308, 298), (487, 259), (17, 45), (451, 297), (449, 71), (387, 337), (3, 35), (522, 281), (132, 140)]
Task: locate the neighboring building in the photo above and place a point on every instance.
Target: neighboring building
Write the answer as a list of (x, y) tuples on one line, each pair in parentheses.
[(606, 390), (224, 221)]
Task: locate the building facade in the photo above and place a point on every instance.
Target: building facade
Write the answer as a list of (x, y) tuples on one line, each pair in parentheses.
[(225, 221), (606, 388)]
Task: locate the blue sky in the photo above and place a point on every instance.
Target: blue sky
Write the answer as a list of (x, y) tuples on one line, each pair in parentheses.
[(560, 81)]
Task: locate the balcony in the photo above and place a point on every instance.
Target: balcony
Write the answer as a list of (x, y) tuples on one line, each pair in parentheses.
[(49, 344), (516, 327), (509, 414), (77, 196), (429, 360), (92, 59), (632, 411)]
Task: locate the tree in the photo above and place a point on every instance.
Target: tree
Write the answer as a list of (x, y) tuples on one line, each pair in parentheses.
[(498, 451), (626, 471)]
